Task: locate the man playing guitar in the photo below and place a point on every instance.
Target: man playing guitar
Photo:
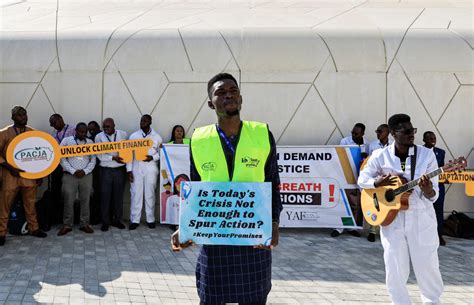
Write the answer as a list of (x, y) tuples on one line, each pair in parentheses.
[(413, 233)]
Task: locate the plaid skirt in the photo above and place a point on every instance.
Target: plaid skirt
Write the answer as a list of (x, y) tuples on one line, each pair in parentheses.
[(233, 274)]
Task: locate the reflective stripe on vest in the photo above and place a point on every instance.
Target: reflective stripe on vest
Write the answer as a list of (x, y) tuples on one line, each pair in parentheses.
[(251, 154)]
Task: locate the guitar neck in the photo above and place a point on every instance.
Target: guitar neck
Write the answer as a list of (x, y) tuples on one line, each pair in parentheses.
[(410, 185)]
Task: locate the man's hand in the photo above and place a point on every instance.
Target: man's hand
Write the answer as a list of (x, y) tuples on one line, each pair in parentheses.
[(426, 186), (79, 173), (386, 180), (275, 238), (130, 177), (148, 159), (118, 159), (13, 170), (176, 246)]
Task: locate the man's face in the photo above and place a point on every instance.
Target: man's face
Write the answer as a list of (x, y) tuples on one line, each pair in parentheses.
[(20, 118), (145, 122), (93, 129), (430, 140), (108, 126), (225, 98), (56, 123), (382, 132), (81, 132), (357, 134), (404, 134)]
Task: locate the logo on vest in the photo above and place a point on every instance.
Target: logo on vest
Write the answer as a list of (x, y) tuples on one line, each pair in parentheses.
[(34, 154), (250, 162), (209, 166)]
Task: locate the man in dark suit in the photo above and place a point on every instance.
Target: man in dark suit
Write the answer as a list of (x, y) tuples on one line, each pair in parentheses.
[(430, 141)]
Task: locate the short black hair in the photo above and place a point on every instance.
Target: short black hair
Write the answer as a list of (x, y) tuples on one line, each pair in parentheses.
[(427, 133), (56, 115), (81, 124), (397, 119), (219, 77), (148, 116), (384, 125), (94, 123), (361, 126)]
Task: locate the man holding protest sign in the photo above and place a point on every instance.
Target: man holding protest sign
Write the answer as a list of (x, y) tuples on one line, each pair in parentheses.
[(12, 183), (233, 274)]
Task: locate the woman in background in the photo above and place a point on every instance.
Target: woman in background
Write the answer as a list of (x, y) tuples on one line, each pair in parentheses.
[(177, 136)]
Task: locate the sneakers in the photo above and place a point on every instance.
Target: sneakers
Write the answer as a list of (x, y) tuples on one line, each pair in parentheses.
[(118, 225), (371, 237), (39, 234), (133, 226), (335, 233), (151, 225), (64, 230), (104, 228), (87, 229)]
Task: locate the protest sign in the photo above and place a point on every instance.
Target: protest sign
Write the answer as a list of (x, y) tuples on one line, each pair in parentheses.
[(226, 213)]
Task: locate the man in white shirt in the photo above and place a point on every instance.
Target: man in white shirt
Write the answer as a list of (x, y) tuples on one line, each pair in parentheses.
[(77, 178), (112, 177), (412, 234), (356, 138), (382, 141), (143, 175)]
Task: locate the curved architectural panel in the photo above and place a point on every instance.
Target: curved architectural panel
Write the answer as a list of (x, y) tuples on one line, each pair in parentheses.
[(310, 69)]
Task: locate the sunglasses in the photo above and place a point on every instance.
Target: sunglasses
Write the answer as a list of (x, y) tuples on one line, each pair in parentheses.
[(407, 131)]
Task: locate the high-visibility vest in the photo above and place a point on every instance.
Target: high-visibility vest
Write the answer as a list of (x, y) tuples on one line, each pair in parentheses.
[(251, 153)]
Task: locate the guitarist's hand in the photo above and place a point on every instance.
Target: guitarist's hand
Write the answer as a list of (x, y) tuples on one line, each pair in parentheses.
[(387, 180), (426, 186)]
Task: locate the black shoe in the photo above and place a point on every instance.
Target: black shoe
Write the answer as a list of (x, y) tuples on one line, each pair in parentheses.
[(151, 225), (118, 225), (371, 237), (45, 228), (354, 233), (174, 227), (335, 233), (442, 242), (38, 233), (133, 226), (2, 240), (104, 228)]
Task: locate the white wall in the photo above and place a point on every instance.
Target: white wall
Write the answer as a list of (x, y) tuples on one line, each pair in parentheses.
[(310, 69)]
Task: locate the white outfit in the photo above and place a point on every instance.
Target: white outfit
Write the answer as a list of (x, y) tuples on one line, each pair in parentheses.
[(376, 144), (145, 175), (172, 209), (106, 159), (413, 234), (348, 141)]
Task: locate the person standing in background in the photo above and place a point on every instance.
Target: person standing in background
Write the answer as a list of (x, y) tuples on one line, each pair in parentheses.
[(429, 138), (143, 176), (77, 179), (12, 182), (61, 131), (112, 177), (94, 129), (177, 136)]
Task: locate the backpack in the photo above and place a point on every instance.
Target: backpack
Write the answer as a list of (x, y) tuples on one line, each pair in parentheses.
[(17, 224), (459, 225)]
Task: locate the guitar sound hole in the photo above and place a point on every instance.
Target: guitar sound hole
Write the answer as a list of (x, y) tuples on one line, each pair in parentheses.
[(389, 196)]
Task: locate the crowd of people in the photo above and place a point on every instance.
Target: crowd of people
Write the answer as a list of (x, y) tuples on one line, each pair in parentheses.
[(101, 178)]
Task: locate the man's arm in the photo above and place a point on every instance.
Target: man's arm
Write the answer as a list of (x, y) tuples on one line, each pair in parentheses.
[(102, 157), (432, 166), (156, 152), (368, 175), (64, 161)]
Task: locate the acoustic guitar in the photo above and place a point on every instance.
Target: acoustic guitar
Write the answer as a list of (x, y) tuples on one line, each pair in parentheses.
[(380, 206)]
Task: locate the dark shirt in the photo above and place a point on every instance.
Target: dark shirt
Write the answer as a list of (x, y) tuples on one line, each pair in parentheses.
[(238, 274)]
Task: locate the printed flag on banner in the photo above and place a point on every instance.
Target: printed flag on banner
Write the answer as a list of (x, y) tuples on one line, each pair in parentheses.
[(174, 165)]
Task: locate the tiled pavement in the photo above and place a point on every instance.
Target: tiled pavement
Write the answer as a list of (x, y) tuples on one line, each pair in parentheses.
[(137, 267)]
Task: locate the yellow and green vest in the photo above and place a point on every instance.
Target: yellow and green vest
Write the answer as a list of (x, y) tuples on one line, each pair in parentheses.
[(251, 153), (185, 141)]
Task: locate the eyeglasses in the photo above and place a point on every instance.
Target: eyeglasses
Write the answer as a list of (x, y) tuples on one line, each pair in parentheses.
[(407, 131)]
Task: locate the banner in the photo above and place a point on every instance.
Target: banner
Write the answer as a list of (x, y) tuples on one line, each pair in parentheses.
[(465, 177), (318, 185), (226, 213), (174, 164)]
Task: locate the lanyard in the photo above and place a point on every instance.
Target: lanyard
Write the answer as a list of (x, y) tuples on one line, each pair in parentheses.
[(115, 137), (64, 134), (226, 139), (18, 132), (75, 139)]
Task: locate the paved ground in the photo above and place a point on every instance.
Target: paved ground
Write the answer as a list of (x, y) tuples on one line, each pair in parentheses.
[(123, 267)]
